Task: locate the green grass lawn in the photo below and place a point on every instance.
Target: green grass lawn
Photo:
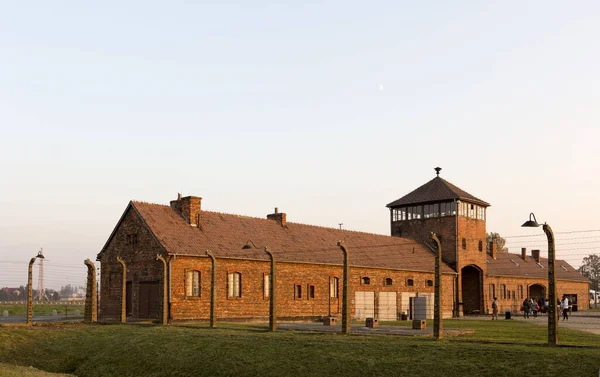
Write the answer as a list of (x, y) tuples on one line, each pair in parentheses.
[(41, 309), (497, 348), (7, 370)]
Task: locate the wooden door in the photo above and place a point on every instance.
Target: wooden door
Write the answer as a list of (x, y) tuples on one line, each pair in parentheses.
[(149, 299), (129, 299)]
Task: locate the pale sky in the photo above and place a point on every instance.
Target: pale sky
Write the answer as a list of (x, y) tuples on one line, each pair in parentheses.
[(279, 105)]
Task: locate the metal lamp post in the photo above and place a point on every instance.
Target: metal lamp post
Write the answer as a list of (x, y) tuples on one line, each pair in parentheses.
[(552, 307)]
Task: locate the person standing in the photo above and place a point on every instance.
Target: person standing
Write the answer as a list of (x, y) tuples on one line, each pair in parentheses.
[(495, 309), (526, 308), (565, 308)]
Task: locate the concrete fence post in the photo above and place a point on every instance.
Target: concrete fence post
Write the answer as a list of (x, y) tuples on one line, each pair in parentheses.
[(272, 309), (165, 300), (213, 290), (123, 291), (30, 292), (438, 327), (345, 294), (91, 303)]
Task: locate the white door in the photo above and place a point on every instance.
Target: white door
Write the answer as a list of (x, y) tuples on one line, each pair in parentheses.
[(388, 310), (364, 305)]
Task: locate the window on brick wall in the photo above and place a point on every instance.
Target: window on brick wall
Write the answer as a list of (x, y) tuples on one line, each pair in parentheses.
[(388, 281), (234, 285), (311, 291), (521, 292), (192, 283), (365, 280), (429, 283), (334, 287), (492, 291), (410, 282), (508, 294), (297, 291), (503, 291), (464, 243), (480, 245), (267, 285)]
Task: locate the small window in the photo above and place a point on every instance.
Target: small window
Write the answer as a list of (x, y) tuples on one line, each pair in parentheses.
[(520, 291), (192, 284), (235, 284), (410, 283), (480, 245), (297, 291), (464, 243), (492, 291), (389, 281), (430, 283), (508, 294), (267, 285), (365, 280), (132, 239), (503, 291), (311, 292), (333, 287)]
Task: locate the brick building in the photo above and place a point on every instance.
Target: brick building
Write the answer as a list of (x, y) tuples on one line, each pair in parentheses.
[(155, 263)]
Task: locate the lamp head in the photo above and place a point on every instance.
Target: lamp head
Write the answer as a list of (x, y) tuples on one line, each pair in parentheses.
[(531, 223), (40, 255)]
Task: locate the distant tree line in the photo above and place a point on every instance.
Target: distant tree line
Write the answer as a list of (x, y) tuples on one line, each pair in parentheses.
[(20, 293)]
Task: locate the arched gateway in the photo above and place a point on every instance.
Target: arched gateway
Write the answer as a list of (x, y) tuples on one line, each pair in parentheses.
[(537, 291), (471, 289)]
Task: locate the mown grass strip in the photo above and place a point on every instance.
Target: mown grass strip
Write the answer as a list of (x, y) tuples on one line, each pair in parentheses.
[(250, 350)]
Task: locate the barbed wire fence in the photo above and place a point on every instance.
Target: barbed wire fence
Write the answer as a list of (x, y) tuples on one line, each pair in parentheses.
[(65, 286)]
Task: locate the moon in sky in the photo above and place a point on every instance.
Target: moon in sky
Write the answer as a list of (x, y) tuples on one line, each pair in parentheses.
[(380, 87)]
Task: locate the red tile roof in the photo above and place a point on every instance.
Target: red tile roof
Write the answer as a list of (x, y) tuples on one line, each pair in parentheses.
[(507, 264), (225, 234), (436, 190)]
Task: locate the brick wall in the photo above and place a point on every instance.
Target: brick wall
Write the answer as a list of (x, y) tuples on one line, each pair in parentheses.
[(142, 266), (420, 230), (253, 303), (473, 233), (581, 289)]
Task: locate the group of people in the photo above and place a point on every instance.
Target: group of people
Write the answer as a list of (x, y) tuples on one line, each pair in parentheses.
[(531, 307)]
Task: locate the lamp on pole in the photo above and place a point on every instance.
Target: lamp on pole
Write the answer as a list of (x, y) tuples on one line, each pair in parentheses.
[(552, 312), (30, 287)]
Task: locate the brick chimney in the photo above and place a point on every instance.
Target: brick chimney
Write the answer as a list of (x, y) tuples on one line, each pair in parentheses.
[(279, 217), (176, 204), (535, 254), (189, 207), (493, 249), (523, 253)]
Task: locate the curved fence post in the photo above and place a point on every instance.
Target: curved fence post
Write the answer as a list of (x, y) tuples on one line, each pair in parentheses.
[(165, 300), (30, 292), (272, 309), (91, 303), (346, 294), (438, 327), (123, 291), (213, 290)]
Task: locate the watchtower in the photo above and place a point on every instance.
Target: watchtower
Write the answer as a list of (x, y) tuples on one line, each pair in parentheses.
[(458, 218)]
